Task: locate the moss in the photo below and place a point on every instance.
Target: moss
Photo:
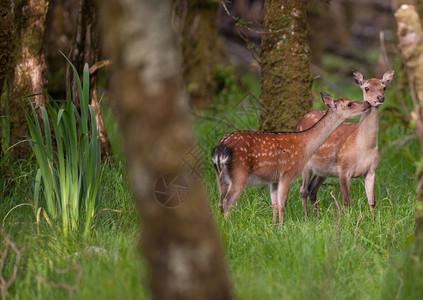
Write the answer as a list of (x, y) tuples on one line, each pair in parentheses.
[(285, 58)]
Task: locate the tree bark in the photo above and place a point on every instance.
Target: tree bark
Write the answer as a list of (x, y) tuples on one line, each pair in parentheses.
[(201, 46), (6, 32), (180, 243), (410, 36), (27, 71), (61, 22), (284, 59), (86, 49)]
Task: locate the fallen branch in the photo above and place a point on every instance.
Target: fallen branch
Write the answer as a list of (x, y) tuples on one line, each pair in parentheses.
[(70, 288), (5, 284)]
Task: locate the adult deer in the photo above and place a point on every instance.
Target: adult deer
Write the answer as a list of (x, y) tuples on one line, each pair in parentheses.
[(352, 149), (275, 158)]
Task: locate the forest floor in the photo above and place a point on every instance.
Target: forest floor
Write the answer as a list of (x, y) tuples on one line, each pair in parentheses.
[(311, 258)]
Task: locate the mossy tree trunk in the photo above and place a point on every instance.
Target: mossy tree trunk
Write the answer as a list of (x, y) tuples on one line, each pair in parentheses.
[(26, 73), (86, 49), (180, 243), (410, 36), (284, 59), (202, 49)]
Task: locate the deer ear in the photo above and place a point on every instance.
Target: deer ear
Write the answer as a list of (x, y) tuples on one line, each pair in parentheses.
[(387, 77), (328, 100), (358, 77)]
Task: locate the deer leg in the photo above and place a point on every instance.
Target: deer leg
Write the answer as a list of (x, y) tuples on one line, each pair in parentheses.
[(305, 178), (234, 191), (345, 188), (274, 198), (283, 191), (219, 184), (223, 193), (369, 183), (223, 189), (313, 188)]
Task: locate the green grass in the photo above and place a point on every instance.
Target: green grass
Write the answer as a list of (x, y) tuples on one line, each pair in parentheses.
[(302, 261)]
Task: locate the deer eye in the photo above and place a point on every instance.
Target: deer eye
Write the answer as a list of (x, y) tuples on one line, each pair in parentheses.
[(384, 88), (366, 89), (350, 104)]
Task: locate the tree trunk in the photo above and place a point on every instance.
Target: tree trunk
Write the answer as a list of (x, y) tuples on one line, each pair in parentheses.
[(6, 32), (178, 236), (60, 30), (317, 12), (27, 69), (410, 36), (202, 49), (284, 60), (85, 49)]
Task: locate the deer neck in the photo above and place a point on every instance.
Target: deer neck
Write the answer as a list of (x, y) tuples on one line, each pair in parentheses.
[(368, 128), (319, 133)]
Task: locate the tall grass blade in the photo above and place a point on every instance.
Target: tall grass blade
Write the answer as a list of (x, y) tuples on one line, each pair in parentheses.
[(37, 188), (38, 147), (70, 176)]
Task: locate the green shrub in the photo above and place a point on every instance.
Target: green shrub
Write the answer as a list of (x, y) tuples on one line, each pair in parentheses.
[(68, 178)]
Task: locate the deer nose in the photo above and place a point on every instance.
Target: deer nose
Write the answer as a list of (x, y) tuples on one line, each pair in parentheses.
[(381, 99)]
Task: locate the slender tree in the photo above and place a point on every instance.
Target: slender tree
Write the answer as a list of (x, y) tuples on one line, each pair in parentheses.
[(61, 23), (6, 31), (180, 243), (410, 36), (85, 48), (317, 25), (284, 60), (201, 47)]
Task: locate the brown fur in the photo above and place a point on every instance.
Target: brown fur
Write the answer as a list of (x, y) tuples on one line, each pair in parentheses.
[(351, 151), (274, 158)]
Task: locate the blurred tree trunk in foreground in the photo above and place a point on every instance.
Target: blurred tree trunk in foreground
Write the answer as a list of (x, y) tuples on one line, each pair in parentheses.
[(202, 49), (411, 44), (85, 48), (284, 59), (180, 243), (25, 71)]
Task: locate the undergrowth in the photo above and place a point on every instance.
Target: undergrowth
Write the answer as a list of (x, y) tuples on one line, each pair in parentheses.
[(310, 258)]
